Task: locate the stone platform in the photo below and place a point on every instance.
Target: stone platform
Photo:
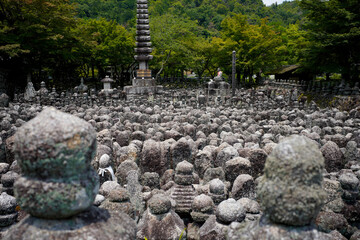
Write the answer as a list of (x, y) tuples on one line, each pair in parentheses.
[(143, 86)]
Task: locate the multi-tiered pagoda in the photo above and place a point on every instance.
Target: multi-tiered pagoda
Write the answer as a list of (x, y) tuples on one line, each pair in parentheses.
[(143, 82)]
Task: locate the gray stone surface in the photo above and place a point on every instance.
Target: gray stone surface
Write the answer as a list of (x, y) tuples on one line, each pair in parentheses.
[(334, 158), (243, 186), (58, 148), (290, 191), (96, 223), (230, 211)]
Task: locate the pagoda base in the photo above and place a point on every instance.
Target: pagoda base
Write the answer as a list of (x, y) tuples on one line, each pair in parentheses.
[(143, 86)]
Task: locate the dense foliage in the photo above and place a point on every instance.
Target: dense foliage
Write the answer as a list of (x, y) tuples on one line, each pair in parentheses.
[(334, 30), (69, 39)]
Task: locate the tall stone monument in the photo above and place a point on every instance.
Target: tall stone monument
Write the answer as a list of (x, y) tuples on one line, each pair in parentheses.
[(143, 83)]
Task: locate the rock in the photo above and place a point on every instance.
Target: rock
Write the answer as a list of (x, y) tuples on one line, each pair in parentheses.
[(235, 167), (212, 173), (203, 161), (217, 190), (107, 186), (244, 186), (257, 158), (249, 205), (8, 215), (99, 199), (151, 180), (334, 158), (4, 167), (329, 221), (160, 222), (350, 185), (123, 170), (229, 211), (264, 229), (180, 151), (58, 185), (159, 204), (153, 158), (212, 229), (183, 192), (9, 149), (202, 207), (225, 155), (91, 224), (4, 100), (290, 191), (355, 236), (118, 200)]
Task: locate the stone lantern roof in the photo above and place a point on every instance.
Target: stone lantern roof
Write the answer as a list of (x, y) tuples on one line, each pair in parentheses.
[(107, 79)]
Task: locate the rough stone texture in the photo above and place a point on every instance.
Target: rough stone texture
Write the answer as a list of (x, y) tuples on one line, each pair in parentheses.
[(355, 236), (257, 158), (54, 151), (180, 151), (225, 155), (329, 221), (249, 205), (264, 229), (212, 173), (134, 188), (151, 180), (244, 186), (159, 204), (96, 223), (213, 230), (235, 167), (217, 190), (107, 186), (4, 100), (333, 201), (230, 211), (351, 153), (350, 185), (334, 158), (118, 200), (123, 170), (8, 214), (290, 191), (202, 207), (167, 177), (154, 158), (203, 161), (9, 149), (183, 196), (164, 226), (351, 211)]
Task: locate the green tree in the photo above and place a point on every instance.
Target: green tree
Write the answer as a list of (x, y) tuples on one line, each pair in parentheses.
[(170, 36), (35, 36), (295, 43), (102, 44), (258, 47), (334, 28)]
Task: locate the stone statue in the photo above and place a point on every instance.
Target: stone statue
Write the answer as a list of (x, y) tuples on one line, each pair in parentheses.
[(219, 76)]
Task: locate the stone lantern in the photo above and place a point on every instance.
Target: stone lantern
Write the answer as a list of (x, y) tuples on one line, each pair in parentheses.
[(107, 82)]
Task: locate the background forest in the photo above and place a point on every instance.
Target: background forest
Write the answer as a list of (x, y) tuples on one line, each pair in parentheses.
[(59, 41)]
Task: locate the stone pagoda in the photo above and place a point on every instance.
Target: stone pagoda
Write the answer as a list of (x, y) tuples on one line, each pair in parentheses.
[(143, 83)]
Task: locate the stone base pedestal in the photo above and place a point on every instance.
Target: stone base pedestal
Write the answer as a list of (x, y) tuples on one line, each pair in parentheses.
[(96, 223), (143, 86)]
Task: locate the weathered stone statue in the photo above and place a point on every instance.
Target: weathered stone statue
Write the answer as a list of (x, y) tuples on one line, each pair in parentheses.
[(29, 90), (290, 193), (58, 185), (219, 76)]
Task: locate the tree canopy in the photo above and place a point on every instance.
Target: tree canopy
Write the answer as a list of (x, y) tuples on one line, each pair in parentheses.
[(69, 39), (334, 31)]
